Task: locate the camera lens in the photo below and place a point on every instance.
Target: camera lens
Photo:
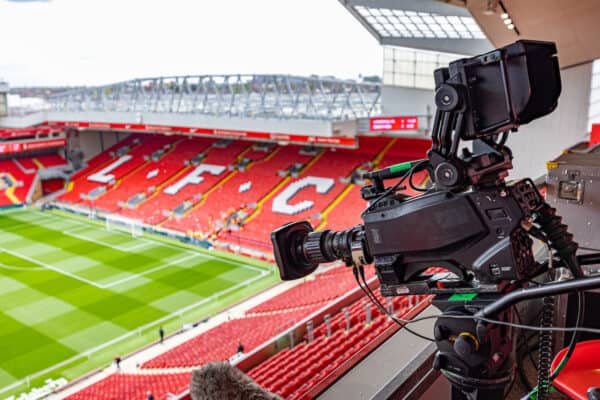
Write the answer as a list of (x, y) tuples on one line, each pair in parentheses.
[(288, 249), (299, 250)]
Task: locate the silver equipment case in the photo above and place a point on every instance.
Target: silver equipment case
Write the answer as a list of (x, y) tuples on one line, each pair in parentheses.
[(573, 188)]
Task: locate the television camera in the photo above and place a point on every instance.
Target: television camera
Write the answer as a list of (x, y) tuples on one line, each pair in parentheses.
[(470, 222)]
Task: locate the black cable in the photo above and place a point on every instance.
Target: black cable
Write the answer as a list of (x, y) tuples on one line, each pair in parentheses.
[(516, 296), (413, 186), (575, 336), (521, 371), (572, 344), (498, 322), (371, 296), (545, 350), (527, 351), (526, 343), (493, 321), (388, 191), (392, 189), (392, 316), (360, 285)]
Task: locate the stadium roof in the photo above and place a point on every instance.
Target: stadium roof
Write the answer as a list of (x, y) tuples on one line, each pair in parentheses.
[(573, 25), (286, 108), (421, 24), (247, 96)]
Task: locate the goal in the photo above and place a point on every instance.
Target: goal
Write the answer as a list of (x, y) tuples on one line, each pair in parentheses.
[(121, 224)]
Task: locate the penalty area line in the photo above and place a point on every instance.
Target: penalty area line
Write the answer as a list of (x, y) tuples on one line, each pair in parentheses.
[(53, 268), (134, 332), (149, 271), (149, 241)]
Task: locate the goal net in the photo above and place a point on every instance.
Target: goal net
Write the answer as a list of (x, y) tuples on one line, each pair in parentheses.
[(127, 225)]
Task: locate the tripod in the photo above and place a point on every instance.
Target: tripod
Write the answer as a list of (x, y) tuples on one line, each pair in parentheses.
[(478, 358), (479, 362)]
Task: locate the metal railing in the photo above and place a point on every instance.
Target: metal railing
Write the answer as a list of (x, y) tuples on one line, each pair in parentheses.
[(246, 96)]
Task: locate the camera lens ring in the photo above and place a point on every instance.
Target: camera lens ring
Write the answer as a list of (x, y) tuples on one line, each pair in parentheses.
[(313, 247)]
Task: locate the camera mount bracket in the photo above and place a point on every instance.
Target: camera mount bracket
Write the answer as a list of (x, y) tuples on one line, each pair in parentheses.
[(449, 170)]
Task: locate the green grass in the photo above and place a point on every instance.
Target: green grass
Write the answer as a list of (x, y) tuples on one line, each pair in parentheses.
[(68, 286)]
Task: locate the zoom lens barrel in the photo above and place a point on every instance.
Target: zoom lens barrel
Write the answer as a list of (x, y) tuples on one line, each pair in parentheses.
[(299, 250), (313, 247)]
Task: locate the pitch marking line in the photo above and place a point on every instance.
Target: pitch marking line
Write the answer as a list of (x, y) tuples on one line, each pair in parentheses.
[(145, 241), (16, 268), (136, 331), (100, 242), (149, 271), (152, 242), (120, 281), (79, 229), (15, 226), (139, 246), (163, 244), (53, 268), (250, 267), (44, 219)]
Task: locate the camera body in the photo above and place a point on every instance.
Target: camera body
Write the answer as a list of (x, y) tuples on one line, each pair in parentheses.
[(479, 236)]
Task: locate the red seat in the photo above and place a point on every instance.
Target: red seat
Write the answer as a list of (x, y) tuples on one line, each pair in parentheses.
[(220, 342), (581, 371), (308, 364), (134, 386)]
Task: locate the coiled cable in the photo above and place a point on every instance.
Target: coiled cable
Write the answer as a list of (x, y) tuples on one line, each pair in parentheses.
[(545, 348)]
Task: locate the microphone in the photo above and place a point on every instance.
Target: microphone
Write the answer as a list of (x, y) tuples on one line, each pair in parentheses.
[(220, 380)]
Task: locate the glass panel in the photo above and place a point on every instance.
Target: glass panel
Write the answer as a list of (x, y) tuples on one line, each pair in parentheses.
[(405, 80), (419, 24), (425, 82), (413, 68)]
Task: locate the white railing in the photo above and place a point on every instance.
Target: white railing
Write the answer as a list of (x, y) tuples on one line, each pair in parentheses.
[(246, 96)]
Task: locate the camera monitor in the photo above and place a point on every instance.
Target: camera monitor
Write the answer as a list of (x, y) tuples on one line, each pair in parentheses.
[(505, 88)]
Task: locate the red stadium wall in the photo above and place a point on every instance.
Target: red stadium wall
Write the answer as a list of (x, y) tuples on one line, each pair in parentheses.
[(18, 175)]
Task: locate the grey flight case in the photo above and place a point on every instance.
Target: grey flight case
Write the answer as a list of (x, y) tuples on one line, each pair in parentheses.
[(573, 188)]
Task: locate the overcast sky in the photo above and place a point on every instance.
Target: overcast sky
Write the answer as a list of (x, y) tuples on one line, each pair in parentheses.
[(73, 42)]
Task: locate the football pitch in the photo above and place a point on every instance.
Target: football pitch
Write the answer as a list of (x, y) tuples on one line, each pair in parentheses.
[(73, 295)]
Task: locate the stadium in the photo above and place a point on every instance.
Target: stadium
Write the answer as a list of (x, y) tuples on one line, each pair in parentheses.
[(146, 224)]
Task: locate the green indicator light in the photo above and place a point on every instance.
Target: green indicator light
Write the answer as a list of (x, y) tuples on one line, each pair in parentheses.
[(462, 296), (401, 167)]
